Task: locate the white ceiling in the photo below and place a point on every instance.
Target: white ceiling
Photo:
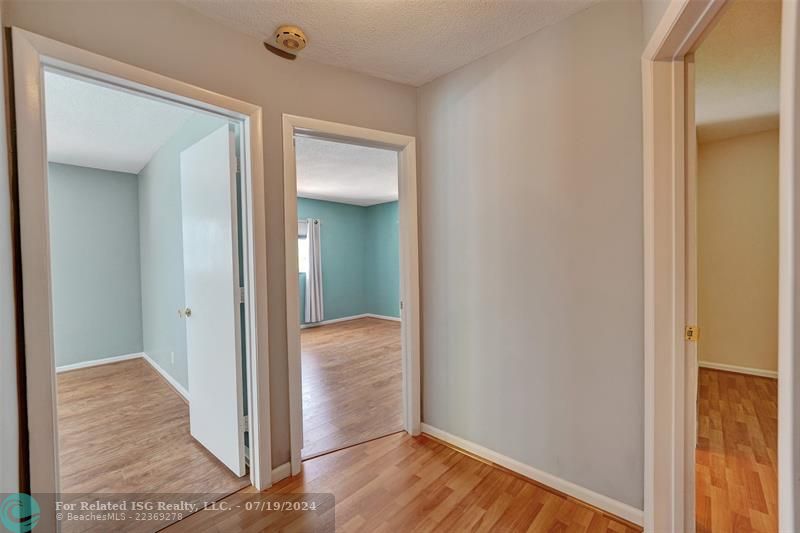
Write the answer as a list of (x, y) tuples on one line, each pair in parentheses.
[(408, 41), (346, 173), (94, 126), (738, 71)]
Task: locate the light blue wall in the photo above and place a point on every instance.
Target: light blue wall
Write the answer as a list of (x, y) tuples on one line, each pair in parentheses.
[(360, 258), (94, 246), (382, 260), (162, 249)]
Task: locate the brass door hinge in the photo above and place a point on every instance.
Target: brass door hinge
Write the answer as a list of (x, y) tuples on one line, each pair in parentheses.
[(692, 332)]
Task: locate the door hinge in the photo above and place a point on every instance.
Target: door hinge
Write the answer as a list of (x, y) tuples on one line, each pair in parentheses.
[(692, 333), (244, 423), (241, 295), (401, 305)]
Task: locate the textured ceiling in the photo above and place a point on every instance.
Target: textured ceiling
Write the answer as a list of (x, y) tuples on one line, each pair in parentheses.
[(408, 41), (94, 126), (738, 71), (346, 173)]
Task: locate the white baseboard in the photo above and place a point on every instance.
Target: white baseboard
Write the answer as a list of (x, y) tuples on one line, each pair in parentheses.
[(98, 362), (610, 505), (180, 389), (739, 369), (348, 318), (384, 317), (333, 321), (281, 472)]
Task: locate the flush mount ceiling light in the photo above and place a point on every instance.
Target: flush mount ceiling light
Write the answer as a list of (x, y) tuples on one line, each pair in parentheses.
[(288, 41)]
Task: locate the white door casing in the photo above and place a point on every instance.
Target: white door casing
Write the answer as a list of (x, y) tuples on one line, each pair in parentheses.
[(788, 274), (409, 265), (690, 346), (32, 54), (211, 279)]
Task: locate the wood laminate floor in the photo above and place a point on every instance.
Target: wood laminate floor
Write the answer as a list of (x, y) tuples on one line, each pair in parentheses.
[(736, 465), (400, 483), (122, 429), (352, 383)]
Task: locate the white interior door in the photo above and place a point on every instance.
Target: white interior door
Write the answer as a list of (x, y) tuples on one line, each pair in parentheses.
[(210, 261)]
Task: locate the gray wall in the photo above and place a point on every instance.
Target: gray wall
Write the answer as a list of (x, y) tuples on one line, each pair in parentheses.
[(94, 246), (652, 11), (9, 418), (176, 41), (531, 247), (161, 234)]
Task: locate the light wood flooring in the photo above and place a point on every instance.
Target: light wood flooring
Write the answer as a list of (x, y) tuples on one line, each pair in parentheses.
[(399, 484), (122, 429), (352, 383), (736, 465)]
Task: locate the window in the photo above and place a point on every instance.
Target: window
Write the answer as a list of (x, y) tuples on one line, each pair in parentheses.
[(302, 254), (302, 245)]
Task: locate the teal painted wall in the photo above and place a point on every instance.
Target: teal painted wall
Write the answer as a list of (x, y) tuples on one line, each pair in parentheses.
[(94, 246), (360, 258), (161, 242), (343, 235), (382, 260)]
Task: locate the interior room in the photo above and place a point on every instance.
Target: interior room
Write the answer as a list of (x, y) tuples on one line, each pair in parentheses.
[(349, 280), (123, 267), (465, 265), (737, 107)]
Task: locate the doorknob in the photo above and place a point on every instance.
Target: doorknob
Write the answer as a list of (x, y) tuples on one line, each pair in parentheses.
[(186, 312)]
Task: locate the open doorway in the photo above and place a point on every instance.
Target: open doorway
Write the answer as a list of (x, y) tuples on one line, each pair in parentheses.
[(148, 315), (221, 204), (361, 352), (349, 287), (732, 266)]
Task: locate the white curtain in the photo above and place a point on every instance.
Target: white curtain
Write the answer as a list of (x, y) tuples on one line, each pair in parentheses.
[(314, 308)]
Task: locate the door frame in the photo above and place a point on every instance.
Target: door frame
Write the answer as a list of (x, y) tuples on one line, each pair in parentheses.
[(690, 292), (405, 146), (669, 403), (32, 54)]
